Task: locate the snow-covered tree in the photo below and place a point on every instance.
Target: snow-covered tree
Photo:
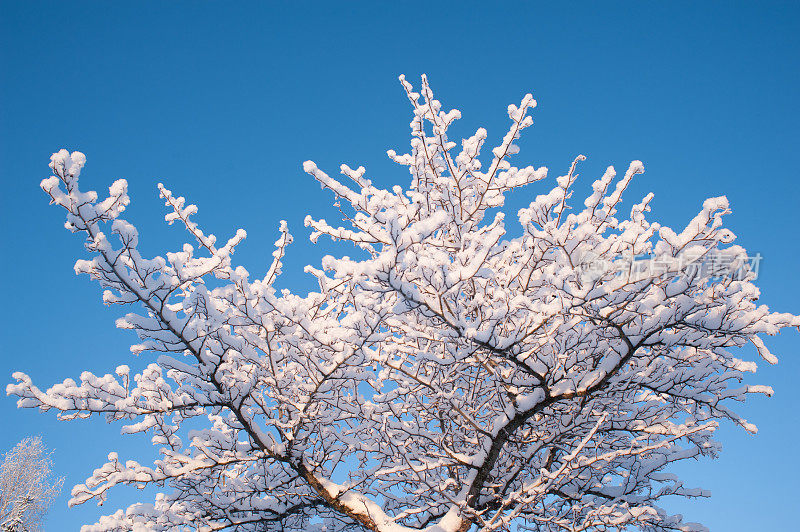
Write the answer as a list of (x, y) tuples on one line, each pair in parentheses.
[(27, 487), (453, 377)]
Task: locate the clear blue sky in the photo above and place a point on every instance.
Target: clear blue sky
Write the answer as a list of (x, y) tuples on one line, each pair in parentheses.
[(224, 101)]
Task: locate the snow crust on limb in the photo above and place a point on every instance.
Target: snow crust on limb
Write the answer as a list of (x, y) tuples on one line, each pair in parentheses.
[(454, 379)]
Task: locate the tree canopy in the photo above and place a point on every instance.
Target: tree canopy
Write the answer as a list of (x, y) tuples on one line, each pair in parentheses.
[(27, 486), (453, 377)]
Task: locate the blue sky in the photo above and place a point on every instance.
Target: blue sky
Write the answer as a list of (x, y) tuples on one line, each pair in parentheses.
[(223, 102)]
